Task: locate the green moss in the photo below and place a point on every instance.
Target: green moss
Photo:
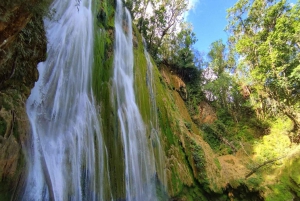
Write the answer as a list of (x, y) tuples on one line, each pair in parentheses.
[(165, 126), (294, 176), (105, 14), (177, 184), (198, 157), (210, 137), (290, 178), (161, 193), (103, 48), (166, 121), (103, 62), (254, 182), (188, 125), (141, 89), (217, 162), (102, 88), (199, 161), (5, 103), (33, 7), (191, 194), (280, 192)]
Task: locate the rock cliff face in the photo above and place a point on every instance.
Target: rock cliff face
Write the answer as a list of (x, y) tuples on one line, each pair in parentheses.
[(22, 46)]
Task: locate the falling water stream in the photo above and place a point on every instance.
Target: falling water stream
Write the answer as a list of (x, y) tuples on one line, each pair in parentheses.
[(154, 125), (139, 160), (67, 154), (66, 146)]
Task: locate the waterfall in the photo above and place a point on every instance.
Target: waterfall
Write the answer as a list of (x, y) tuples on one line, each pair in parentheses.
[(66, 151), (139, 160), (67, 157), (155, 130)]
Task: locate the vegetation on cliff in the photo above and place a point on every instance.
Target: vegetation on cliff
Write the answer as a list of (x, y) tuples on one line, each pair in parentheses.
[(22, 46), (251, 84)]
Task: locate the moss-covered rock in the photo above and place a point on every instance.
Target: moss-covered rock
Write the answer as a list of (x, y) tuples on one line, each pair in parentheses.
[(179, 133), (102, 87)]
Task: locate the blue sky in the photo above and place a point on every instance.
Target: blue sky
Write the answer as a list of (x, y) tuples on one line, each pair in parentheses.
[(208, 18)]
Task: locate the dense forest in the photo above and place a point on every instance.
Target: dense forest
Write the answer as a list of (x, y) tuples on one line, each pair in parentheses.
[(255, 74), (252, 81)]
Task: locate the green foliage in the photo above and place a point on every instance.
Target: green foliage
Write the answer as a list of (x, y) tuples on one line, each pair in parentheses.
[(254, 182), (141, 88), (217, 56), (28, 48), (105, 14), (102, 70), (260, 125), (103, 49), (195, 96), (217, 162), (292, 176), (198, 157), (161, 22), (221, 89), (102, 87), (177, 52), (220, 85), (158, 22), (169, 39), (265, 34), (271, 146), (188, 125), (165, 125), (210, 137), (5, 103), (278, 194), (192, 194), (225, 135), (33, 7), (286, 185)]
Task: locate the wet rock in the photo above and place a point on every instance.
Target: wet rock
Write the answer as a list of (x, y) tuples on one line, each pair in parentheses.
[(22, 46)]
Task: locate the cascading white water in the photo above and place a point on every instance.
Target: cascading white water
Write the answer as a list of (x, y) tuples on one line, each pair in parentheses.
[(139, 160), (66, 153), (155, 137)]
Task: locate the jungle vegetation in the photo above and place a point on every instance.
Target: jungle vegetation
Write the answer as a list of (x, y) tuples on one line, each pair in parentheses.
[(256, 73)]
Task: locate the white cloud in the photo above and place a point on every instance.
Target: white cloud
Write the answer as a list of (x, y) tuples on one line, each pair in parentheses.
[(192, 5)]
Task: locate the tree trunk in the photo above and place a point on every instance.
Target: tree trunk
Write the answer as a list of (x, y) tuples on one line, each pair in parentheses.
[(293, 118), (263, 164)]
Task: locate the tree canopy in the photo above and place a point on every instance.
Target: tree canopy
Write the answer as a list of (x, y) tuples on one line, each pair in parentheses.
[(265, 36), (258, 67)]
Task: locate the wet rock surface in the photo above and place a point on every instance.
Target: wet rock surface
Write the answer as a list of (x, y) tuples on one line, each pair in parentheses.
[(22, 46)]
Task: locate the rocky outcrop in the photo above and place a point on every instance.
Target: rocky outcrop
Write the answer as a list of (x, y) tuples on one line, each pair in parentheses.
[(175, 82), (22, 46), (206, 114)]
